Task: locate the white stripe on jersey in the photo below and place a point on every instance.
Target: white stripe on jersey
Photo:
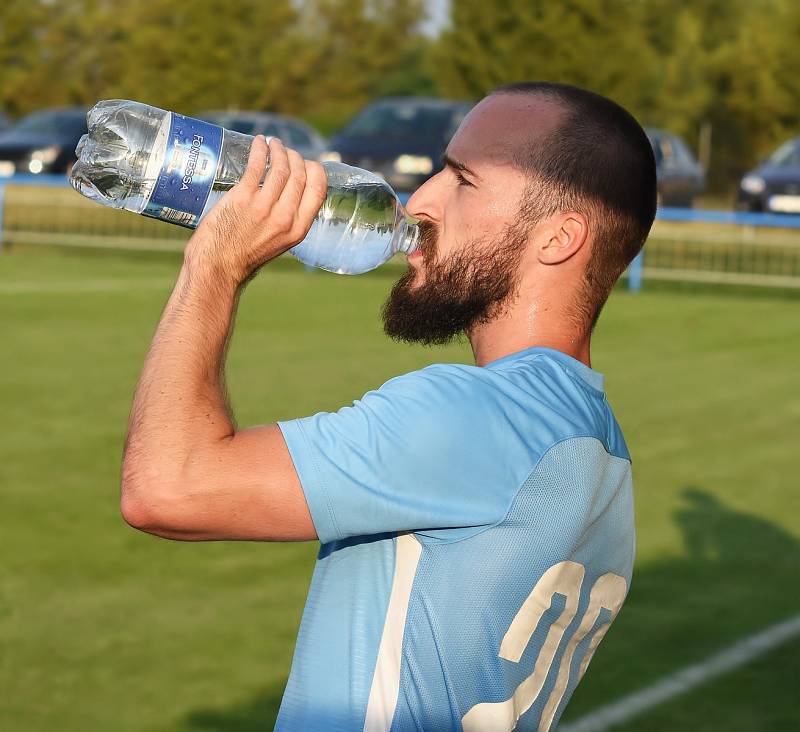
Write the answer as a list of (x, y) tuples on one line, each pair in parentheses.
[(386, 680)]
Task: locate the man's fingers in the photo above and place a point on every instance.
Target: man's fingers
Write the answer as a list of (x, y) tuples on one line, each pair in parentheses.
[(277, 175), (256, 163), (293, 190), (314, 193)]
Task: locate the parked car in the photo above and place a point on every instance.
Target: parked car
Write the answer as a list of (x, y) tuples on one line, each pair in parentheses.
[(775, 184), (400, 138), (5, 122), (42, 142), (294, 133), (680, 177)]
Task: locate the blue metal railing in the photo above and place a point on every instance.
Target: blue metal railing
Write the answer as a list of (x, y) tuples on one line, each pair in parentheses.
[(45, 180), (737, 218), (25, 179)]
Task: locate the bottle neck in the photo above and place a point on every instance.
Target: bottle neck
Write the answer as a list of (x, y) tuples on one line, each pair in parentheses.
[(409, 237)]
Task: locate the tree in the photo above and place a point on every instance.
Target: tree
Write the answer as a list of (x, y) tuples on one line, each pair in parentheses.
[(207, 54), (321, 59), (732, 65), (358, 46), (591, 43)]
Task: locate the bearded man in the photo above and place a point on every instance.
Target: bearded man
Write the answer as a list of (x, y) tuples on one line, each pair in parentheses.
[(476, 522)]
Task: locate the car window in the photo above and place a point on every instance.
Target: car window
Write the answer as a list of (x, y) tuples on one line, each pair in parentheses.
[(271, 129), (662, 149), (232, 122), (655, 143), (787, 155), (240, 124), (401, 120), (455, 121), (53, 123), (682, 153), (298, 137)]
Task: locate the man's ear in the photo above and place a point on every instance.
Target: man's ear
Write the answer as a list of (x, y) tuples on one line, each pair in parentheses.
[(562, 237)]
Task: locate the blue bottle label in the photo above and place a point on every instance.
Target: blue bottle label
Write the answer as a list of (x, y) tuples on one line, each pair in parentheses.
[(187, 174)]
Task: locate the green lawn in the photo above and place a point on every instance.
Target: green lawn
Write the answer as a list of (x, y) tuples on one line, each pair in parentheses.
[(102, 628)]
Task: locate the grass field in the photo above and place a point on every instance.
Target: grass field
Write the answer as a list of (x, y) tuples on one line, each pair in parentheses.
[(102, 628)]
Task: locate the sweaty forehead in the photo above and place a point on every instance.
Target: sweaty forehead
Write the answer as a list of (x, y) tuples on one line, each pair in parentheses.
[(502, 125)]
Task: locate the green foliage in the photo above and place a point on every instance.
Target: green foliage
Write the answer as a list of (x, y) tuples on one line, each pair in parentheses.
[(728, 65), (585, 42), (323, 58), (22, 25)]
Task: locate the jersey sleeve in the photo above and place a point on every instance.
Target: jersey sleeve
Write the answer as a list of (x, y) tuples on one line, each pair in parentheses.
[(424, 451)]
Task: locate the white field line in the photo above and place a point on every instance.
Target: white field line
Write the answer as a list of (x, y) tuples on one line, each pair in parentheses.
[(84, 286), (686, 679)]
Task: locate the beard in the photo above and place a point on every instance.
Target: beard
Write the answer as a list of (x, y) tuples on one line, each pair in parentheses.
[(474, 285)]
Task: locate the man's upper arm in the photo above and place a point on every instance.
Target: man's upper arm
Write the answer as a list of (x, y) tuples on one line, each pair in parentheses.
[(243, 487), (429, 450)]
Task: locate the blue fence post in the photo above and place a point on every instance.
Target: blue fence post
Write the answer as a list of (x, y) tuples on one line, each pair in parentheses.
[(2, 201), (635, 272)]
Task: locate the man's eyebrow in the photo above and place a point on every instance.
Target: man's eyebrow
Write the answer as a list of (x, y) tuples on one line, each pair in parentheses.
[(457, 165)]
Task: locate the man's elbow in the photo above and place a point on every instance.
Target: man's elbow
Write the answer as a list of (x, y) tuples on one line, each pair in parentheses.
[(134, 510), (149, 508), (139, 511)]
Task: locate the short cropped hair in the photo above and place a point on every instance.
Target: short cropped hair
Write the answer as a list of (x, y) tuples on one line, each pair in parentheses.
[(598, 162)]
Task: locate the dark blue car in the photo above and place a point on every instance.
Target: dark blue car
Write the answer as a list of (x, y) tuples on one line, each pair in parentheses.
[(401, 138), (680, 177), (774, 186), (42, 142)]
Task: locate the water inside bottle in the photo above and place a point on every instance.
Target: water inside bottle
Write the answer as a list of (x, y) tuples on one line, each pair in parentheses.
[(360, 225)]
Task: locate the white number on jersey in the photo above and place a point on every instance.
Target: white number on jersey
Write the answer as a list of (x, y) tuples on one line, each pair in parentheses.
[(564, 578)]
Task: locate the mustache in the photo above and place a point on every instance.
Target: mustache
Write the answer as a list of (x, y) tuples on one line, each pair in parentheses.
[(428, 239)]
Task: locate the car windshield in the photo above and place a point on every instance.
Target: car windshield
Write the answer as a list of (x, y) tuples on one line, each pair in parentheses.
[(234, 123), (53, 123), (787, 155), (401, 120)]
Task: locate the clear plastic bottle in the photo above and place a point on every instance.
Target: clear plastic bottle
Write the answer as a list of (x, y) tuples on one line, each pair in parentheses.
[(175, 168)]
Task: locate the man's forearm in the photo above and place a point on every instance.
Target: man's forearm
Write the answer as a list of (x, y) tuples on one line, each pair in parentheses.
[(187, 473), (180, 404)]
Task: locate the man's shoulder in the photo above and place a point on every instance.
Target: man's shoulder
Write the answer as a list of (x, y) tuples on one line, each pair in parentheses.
[(532, 377), (478, 397), (535, 395), (446, 391), (435, 380)]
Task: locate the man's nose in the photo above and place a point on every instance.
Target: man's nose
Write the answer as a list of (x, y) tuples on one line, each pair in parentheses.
[(426, 201)]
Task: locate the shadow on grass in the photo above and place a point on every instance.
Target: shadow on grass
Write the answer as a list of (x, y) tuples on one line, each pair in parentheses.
[(256, 715), (736, 579)]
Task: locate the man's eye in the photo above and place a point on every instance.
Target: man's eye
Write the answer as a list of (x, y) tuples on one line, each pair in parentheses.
[(462, 181)]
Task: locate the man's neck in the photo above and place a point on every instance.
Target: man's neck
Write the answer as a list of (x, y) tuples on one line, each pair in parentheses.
[(512, 333)]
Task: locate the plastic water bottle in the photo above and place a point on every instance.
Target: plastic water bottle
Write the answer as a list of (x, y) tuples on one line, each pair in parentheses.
[(175, 168)]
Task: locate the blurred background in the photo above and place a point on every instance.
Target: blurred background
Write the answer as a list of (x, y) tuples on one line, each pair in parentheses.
[(719, 74), (104, 628)]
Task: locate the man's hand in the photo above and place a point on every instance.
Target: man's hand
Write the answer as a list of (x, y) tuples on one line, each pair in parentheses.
[(253, 224)]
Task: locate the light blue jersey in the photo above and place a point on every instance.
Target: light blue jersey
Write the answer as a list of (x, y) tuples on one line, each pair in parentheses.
[(477, 541)]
